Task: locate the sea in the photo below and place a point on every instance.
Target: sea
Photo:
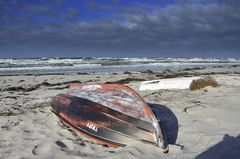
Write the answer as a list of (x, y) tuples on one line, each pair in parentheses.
[(56, 65)]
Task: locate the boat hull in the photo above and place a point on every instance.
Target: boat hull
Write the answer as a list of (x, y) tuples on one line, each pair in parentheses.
[(102, 123)]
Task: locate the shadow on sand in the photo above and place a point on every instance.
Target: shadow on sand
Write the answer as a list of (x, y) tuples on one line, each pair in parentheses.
[(168, 121), (228, 148)]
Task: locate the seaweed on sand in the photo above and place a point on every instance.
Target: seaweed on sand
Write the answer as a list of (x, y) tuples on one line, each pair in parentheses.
[(203, 82)]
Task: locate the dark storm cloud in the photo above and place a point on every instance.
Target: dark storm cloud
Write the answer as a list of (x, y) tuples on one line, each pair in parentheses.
[(199, 28)]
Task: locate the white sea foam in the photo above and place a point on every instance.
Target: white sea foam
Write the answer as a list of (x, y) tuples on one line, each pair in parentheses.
[(106, 64)]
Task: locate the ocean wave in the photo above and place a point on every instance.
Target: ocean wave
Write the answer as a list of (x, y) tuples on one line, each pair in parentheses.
[(101, 64)]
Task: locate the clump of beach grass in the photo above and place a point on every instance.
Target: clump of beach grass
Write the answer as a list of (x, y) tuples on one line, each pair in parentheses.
[(203, 82)]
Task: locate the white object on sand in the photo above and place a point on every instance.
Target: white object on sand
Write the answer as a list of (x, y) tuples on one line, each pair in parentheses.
[(171, 83)]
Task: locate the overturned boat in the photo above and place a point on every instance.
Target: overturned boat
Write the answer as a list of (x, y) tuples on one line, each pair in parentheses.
[(111, 114)]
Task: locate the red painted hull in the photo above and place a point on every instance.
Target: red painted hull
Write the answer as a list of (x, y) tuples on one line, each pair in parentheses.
[(110, 114)]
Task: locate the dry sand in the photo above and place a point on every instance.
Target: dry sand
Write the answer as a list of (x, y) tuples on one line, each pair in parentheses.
[(207, 120)]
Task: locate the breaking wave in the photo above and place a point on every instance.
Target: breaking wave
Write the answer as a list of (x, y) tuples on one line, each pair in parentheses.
[(105, 64)]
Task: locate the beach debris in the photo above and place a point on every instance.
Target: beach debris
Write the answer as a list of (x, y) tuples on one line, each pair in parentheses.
[(203, 82), (125, 81), (7, 114), (37, 86), (171, 83), (147, 71), (180, 146), (110, 114), (196, 104)]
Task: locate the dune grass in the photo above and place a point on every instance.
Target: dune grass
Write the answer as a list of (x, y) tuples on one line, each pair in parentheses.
[(203, 82)]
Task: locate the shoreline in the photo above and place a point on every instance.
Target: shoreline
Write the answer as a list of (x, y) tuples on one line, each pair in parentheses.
[(30, 130), (126, 72)]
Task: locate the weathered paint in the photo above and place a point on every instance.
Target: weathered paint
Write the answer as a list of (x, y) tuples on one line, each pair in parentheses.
[(114, 96), (111, 112), (62, 100), (96, 139)]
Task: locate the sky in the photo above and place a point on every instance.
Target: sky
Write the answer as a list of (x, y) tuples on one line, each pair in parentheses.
[(119, 28)]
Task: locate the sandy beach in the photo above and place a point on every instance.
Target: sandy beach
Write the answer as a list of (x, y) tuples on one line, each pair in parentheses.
[(200, 124)]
